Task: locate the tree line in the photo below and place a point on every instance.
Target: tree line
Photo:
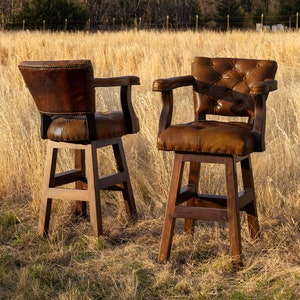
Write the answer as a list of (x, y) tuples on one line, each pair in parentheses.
[(149, 14)]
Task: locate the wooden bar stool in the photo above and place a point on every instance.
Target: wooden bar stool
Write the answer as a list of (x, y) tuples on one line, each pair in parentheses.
[(64, 93), (228, 88)]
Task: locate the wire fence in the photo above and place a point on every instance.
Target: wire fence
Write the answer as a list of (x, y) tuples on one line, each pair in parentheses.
[(167, 23)]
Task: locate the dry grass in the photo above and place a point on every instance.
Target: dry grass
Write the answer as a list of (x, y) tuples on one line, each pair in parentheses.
[(122, 265)]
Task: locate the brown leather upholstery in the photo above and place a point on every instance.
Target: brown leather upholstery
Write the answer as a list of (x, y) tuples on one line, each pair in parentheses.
[(208, 136), (225, 86), (108, 125), (69, 85), (64, 93), (229, 124), (67, 89), (222, 86)]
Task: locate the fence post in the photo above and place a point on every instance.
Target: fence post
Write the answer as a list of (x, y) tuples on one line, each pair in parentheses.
[(228, 24), (23, 26), (197, 23), (66, 25), (297, 19), (88, 25), (135, 23), (167, 22), (262, 22), (44, 25)]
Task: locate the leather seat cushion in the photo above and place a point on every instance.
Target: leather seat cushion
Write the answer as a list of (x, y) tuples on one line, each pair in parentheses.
[(234, 138), (74, 129)]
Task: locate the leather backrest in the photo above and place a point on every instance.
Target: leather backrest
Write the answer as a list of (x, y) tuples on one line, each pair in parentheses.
[(60, 87), (223, 84)]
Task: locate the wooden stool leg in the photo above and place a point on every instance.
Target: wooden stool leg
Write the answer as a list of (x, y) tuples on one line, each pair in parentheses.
[(233, 212), (169, 221), (91, 162), (127, 188), (193, 182), (248, 182), (48, 181), (80, 165)]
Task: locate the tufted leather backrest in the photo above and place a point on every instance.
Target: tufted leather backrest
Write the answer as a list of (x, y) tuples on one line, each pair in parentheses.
[(60, 87), (222, 85)]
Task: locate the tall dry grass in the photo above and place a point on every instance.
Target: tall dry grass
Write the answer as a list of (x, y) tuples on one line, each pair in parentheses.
[(272, 264)]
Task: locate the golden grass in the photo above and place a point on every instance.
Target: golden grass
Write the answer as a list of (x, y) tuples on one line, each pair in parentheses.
[(123, 265)]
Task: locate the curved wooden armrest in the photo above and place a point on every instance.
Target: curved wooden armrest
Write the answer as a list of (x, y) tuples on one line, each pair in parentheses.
[(116, 81), (260, 91), (263, 87), (167, 84), (125, 83), (259, 124)]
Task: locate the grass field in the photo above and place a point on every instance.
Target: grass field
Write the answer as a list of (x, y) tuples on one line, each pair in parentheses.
[(122, 264)]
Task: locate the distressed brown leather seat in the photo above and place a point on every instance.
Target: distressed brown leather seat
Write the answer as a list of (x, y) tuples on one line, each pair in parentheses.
[(229, 88), (64, 93)]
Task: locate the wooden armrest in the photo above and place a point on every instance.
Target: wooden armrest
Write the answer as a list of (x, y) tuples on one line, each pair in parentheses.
[(260, 91), (125, 82), (167, 84), (263, 87), (116, 81), (259, 124)]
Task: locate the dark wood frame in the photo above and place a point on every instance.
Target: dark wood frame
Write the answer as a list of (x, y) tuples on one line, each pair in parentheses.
[(88, 183), (85, 174), (214, 208)]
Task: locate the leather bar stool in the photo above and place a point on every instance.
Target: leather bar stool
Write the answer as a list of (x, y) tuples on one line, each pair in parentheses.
[(223, 88), (64, 93)]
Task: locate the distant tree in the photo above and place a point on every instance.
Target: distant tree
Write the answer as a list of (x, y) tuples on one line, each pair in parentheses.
[(288, 10), (182, 13), (97, 10), (54, 12), (257, 13), (186, 10), (234, 10), (148, 13), (247, 5), (209, 12)]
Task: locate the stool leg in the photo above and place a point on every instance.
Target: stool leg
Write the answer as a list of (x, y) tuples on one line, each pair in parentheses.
[(48, 181), (127, 188), (194, 176), (91, 162), (80, 164), (169, 221), (248, 182), (233, 212)]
